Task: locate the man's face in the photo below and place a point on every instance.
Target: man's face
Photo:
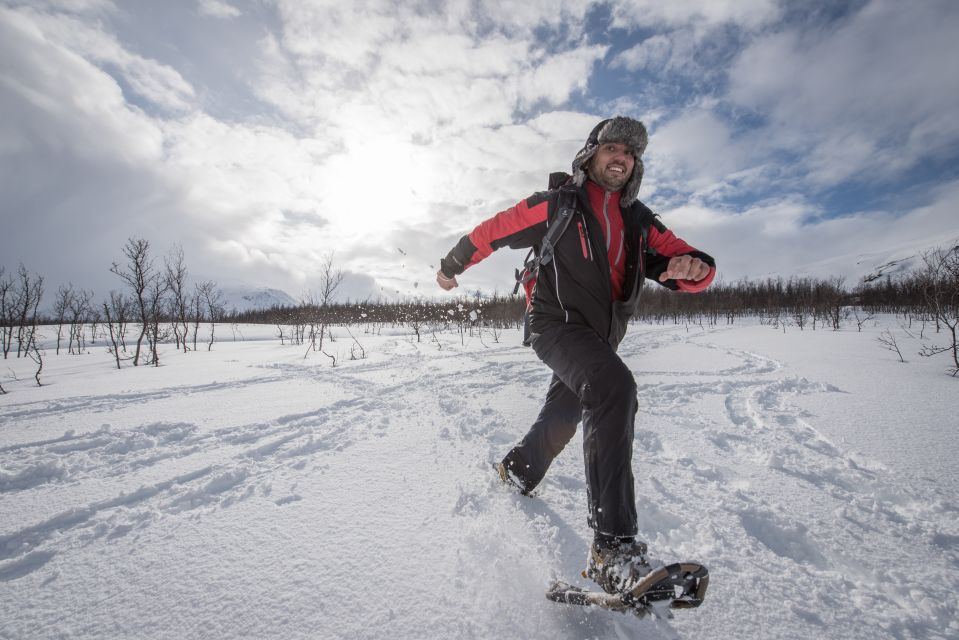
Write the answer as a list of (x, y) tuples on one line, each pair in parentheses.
[(612, 165)]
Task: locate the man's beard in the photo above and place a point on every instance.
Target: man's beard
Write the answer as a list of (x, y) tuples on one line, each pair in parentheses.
[(607, 180)]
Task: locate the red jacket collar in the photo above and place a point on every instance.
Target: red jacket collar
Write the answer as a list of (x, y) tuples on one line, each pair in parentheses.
[(595, 190)]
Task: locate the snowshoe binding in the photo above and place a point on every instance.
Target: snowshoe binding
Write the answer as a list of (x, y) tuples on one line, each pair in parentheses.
[(511, 481), (630, 583)]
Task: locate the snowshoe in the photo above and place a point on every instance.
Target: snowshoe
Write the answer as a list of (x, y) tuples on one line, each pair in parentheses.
[(511, 480), (676, 586)]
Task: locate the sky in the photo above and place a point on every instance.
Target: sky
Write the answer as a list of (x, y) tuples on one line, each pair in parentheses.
[(263, 136)]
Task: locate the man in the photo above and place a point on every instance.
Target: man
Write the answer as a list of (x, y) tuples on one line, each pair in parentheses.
[(578, 310)]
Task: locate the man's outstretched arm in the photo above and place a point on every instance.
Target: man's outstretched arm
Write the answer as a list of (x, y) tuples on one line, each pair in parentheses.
[(678, 265), (518, 227)]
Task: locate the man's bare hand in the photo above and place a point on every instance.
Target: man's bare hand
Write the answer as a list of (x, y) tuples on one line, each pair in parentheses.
[(685, 268), (446, 283)]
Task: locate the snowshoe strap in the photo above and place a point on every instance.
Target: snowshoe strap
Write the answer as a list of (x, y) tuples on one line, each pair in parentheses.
[(691, 577)]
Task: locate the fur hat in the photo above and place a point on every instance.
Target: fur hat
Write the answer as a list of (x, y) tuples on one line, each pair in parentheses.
[(619, 129)]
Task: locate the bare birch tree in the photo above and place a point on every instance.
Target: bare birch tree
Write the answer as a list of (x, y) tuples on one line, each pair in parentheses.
[(196, 310), (61, 302), (79, 314), (175, 275), (138, 273), (27, 296), (6, 312), (27, 304), (115, 312), (212, 300), (156, 332), (330, 280), (941, 292)]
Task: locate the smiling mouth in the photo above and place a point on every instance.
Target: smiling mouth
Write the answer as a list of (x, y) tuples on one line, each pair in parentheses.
[(617, 169)]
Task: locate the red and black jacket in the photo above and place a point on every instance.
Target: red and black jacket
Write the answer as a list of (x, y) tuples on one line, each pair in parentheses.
[(575, 286)]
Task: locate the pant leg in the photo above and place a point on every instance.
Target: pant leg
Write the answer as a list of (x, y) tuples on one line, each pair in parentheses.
[(589, 367), (554, 428)]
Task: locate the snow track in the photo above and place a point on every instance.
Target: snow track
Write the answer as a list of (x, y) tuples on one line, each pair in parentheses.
[(269, 496), (794, 506)]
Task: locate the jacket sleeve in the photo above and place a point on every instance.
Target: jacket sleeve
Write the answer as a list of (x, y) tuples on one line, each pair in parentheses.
[(521, 226), (667, 245)]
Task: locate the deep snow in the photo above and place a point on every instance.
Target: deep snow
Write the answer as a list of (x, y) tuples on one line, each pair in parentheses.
[(247, 492)]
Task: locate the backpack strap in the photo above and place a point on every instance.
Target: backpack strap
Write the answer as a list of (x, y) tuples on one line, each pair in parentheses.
[(567, 207)]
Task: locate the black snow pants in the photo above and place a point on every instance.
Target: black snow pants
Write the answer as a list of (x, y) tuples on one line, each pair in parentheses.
[(591, 383)]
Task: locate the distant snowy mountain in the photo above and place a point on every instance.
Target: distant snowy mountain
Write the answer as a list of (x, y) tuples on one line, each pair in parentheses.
[(867, 267), (245, 298)]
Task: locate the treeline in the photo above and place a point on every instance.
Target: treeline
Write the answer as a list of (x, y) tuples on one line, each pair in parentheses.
[(155, 304), (20, 296), (805, 301), (499, 312), (929, 294), (800, 301)]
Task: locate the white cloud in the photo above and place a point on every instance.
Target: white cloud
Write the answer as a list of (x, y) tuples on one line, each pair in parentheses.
[(749, 14), (784, 235), (521, 18), (68, 6), (417, 135), (558, 76), (873, 96), (655, 52), (695, 150), (57, 100), (160, 84), (90, 170), (379, 60), (492, 57), (690, 40), (387, 127), (218, 9), (346, 33)]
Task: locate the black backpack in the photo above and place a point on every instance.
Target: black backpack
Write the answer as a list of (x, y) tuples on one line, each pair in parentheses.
[(526, 277)]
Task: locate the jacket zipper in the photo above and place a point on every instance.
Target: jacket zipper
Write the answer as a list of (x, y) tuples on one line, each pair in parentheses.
[(582, 241), (558, 298), (609, 231)]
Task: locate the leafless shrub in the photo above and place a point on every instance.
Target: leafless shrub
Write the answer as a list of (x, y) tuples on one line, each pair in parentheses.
[(61, 302), (6, 312), (175, 274), (116, 313), (861, 318), (27, 301), (80, 312), (941, 292), (356, 345), (35, 354), (139, 274), (213, 305), (888, 342)]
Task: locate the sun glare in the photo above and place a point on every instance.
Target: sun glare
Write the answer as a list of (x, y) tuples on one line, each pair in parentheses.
[(374, 188)]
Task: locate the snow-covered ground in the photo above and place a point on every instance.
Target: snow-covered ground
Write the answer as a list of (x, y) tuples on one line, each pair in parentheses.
[(247, 492)]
